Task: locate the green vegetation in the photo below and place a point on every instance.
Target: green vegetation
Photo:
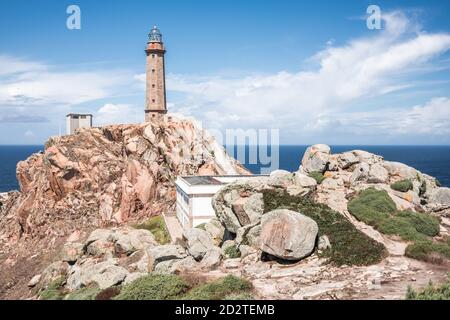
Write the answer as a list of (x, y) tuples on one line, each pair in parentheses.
[(86, 293), (318, 176), (157, 227), (154, 287), (430, 251), (377, 209), (423, 188), (402, 186), (349, 246), (232, 252), (54, 290), (108, 293), (430, 292), (172, 287), (438, 183), (220, 289), (201, 226)]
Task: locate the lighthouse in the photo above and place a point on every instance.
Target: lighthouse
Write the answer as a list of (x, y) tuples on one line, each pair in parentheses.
[(155, 106)]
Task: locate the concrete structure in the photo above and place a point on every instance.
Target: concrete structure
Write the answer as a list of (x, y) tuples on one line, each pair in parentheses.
[(194, 194), (76, 121), (155, 106)]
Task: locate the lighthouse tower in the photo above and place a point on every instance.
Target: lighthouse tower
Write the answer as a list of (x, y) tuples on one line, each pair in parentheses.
[(155, 106)]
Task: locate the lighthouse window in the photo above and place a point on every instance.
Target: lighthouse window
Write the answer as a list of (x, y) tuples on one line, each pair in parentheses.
[(153, 100), (153, 56), (153, 70), (153, 85)]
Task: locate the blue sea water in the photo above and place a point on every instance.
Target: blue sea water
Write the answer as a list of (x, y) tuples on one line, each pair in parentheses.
[(433, 160)]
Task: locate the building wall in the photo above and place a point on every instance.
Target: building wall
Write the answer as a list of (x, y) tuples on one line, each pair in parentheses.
[(73, 123)]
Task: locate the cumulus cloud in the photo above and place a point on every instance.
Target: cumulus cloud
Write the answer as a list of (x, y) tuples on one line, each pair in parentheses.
[(364, 69), (117, 113), (29, 83), (431, 118)]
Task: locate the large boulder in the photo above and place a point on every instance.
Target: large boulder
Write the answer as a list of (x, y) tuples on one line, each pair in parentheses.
[(440, 196), (400, 171), (360, 173), (199, 243), (288, 234), (304, 181), (119, 241), (280, 178), (316, 158), (216, 230), (105, 274), (160, 254), (71, 252), (377, 174), (240, 203), (346, 159)]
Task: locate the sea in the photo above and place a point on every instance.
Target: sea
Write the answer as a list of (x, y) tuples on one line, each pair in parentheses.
[(432, 160)]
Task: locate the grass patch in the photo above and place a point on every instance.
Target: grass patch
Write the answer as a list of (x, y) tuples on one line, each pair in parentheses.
[(376, 208), (318, 176), (173, 287), (154, 287), (349, 246), (54, 290), (429, 251), (430, 292), (86, 293), (402, 186), (232, 252), (157, 227), (220, 289)]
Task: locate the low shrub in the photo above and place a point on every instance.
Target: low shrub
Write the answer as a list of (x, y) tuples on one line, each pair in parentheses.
[(154, 287), (376, 208), (430, 292), (318, 176), (108, 293), (349, 246), (232, 252), (157, 227), (86, 293), (429, 251), (239, 296), (54, 290), (402, 186), (220, 289), (372, 206)]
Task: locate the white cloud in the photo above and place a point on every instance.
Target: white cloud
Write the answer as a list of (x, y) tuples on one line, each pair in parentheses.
[(431, 119), (28, 83), (364, 69), (118, 114)]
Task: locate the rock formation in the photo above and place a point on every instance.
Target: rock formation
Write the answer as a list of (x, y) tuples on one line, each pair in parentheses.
[(315, 249), (102, 177)]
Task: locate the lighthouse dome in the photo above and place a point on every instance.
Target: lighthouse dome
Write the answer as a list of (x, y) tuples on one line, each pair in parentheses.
[(155, 35)]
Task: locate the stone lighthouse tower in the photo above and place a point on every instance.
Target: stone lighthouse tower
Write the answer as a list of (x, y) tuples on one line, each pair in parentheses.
[(155, 106)]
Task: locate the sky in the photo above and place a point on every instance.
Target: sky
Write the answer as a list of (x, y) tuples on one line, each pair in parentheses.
[(312, 70)]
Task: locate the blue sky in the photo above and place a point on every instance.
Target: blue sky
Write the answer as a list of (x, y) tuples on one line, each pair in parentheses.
[(313, 70)]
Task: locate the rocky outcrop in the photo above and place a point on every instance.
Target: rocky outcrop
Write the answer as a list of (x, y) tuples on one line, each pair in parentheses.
[(107, 176)]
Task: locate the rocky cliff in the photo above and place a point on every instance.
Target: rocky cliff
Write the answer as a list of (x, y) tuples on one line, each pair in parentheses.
[(103, 177)]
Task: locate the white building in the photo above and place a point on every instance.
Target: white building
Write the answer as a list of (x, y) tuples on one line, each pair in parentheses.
[(76, 121), (194, 194)]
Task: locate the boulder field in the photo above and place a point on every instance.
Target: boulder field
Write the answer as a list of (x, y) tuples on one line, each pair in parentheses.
[(291, 234)]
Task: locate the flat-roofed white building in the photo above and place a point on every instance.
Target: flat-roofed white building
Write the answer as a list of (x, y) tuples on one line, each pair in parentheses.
[(78, 120), (194, 194)]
